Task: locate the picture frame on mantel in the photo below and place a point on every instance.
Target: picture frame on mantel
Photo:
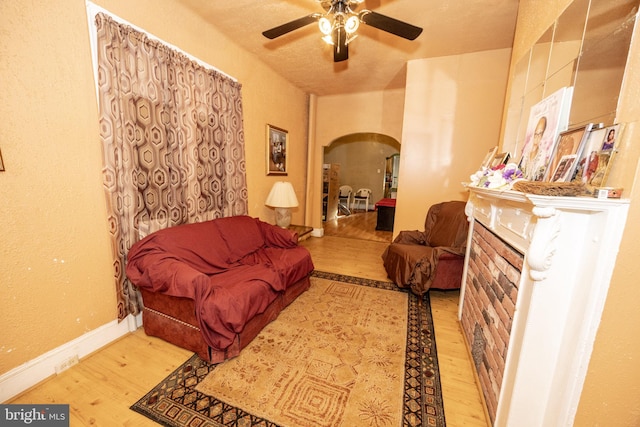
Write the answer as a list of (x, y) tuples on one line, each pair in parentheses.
[(277, 146), (587, 162), (547, 119), (563, 162), (488, 158), (499, 159), (595, 161)]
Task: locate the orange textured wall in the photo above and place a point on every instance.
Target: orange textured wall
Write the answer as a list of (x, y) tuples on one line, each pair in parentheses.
[(452, 116), (56, 273), (55, 255)]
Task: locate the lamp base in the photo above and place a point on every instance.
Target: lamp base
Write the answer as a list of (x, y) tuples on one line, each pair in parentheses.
[(283, 217)]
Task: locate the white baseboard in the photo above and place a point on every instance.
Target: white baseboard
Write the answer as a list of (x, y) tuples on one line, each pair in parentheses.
[(42, 367)]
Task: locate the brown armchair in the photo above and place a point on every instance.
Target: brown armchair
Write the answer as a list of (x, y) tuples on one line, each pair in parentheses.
[(433, 258)]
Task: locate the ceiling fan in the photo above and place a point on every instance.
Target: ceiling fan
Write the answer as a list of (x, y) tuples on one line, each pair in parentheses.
[(340, 22)]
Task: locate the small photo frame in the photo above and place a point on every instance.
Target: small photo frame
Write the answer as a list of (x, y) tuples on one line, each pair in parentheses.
[(605, 160), (567, 149), (610, 138), (489, 157), (595, 162), (277, 145), (499, 159), (564, 169)]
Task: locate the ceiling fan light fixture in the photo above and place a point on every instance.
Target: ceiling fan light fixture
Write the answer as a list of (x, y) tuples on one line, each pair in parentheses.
[(352, 24), (325, 25), (340, 23)]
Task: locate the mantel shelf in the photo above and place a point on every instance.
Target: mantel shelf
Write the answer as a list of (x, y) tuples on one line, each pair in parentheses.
[(571, 202)]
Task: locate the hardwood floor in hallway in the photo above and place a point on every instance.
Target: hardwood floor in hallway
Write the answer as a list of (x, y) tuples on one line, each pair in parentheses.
[(102, 387), (359, 225)]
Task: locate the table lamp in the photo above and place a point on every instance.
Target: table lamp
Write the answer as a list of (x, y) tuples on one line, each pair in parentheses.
[(282, 197)]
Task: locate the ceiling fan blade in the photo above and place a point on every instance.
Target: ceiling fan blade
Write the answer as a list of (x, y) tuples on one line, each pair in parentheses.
[(390, 25), (290, 26), (340, 47)]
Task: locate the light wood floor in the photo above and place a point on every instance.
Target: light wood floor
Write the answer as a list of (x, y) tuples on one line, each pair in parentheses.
[(359, 225), (102, 387)]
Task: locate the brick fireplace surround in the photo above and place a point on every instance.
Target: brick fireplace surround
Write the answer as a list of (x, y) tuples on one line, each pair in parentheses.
[(493, 277), (537, 272)]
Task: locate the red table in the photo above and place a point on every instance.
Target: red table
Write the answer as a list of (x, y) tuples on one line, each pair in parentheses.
[(389, 203), (386, 213)]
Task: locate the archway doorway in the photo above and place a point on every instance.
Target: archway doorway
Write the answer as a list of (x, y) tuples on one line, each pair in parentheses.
[(361, 160)]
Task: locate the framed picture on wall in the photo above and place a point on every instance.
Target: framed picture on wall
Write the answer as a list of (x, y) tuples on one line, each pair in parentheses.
[(277, 145)]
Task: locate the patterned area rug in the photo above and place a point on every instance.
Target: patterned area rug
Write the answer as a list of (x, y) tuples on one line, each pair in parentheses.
[(348, 352)]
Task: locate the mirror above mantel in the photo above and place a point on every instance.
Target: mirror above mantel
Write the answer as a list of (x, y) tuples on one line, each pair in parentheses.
[(586, 48)]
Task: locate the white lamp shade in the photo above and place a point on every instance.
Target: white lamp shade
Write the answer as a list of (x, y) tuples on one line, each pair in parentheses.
[(282, 195)]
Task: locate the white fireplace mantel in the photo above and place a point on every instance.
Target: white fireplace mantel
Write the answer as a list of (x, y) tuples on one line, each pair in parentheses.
[(570, 246)]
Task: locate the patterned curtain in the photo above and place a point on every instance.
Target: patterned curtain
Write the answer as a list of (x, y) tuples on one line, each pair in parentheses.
[(173, 142)]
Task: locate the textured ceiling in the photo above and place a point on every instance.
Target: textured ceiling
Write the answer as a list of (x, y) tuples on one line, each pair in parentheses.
[(377, 59)]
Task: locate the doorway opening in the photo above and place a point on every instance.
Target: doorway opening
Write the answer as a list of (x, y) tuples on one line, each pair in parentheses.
[(359, 161)]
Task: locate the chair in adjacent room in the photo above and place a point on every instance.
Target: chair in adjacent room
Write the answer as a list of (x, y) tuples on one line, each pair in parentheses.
[(344, 199), (361, 196), (433, 258), (345, 194)]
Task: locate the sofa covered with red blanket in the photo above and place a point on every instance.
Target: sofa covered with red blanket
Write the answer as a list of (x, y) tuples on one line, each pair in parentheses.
[(211, 287)]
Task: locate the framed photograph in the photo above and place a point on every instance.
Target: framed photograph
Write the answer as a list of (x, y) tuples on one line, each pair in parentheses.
[(566, 151), (277, 145), (599, 177), (498, 159), (489, 157), (594, 163), (547, 119), (587, 162), (564, 169), (610, 136)]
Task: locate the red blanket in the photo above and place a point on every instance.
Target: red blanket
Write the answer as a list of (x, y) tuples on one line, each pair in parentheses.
[(232, 268)]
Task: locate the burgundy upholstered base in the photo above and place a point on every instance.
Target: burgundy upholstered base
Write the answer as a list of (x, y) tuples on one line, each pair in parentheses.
[(449, 272), (173, 319)]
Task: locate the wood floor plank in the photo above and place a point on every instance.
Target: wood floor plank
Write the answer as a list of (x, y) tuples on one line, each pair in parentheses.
[(102, 387)]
